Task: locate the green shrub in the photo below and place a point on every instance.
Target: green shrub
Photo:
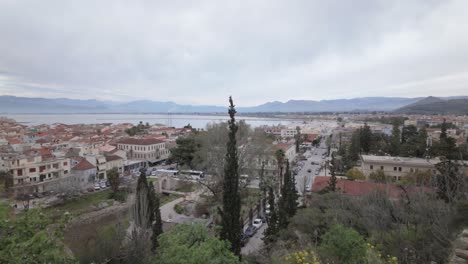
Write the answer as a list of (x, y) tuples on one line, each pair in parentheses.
[(343, 245), (120, 196), (179, 209)]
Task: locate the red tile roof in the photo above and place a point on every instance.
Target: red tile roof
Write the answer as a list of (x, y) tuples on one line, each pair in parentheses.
[(113, 157), (140, 141), (83, 165)]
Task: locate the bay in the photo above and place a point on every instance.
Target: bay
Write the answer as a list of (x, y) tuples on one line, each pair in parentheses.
[(196, 121)]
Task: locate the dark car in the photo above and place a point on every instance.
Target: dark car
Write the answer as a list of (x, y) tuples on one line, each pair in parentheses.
[(309, 170), (250, 231), (244, 239)]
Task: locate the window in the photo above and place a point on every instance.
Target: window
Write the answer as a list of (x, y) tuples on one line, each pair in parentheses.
[(381, 167), (411, 170), (65, 163), (371, 167), (20, 172), (394, 168), (32, 169), (399, 168), (65, 172)]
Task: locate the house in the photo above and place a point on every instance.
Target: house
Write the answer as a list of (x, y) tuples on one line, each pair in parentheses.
[(289, 149), (114, 161), (85, 171)]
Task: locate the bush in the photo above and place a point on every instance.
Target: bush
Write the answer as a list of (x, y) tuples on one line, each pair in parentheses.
[(343, 245), (120, 196), (378, 176), (355, 174), (179, 209)]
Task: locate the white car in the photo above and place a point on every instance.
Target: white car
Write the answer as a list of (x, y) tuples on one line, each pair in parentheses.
[(97, 186), (257, 223)]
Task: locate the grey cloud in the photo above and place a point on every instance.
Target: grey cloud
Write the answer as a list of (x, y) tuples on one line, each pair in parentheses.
[(202, 51)]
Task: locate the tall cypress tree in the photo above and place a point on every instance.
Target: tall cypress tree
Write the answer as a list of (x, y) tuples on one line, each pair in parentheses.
[(231, 224), (142, 214), (155, 216), (288, 200), (333, 181), (272, 229)]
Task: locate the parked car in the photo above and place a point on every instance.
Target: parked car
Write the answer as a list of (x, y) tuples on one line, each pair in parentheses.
[(97, 186), (257, 223), (250, 231), (102, 185), (244, 239), (309, 170)]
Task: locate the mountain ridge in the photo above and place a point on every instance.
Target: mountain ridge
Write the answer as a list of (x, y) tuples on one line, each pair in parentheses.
[(14, 104), (437, 105)]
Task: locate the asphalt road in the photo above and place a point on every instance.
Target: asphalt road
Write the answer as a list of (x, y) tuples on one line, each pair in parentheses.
[(255, 242), (304, 177)]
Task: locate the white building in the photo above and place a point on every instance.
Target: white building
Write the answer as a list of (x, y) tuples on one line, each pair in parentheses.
[(396, 167), (288, 132), (150, 150)]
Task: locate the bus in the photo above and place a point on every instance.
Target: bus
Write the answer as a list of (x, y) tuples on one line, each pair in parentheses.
[(172, 173), (195, 175)]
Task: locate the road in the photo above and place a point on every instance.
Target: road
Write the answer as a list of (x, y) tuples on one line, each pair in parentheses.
[(256, 242), (304, 177)]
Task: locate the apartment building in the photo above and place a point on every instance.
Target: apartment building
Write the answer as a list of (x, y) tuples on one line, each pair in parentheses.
[(288, 132), (32, 173), (146, 149)]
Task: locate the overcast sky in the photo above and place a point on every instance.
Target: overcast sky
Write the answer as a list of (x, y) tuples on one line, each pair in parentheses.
[(200, 52)]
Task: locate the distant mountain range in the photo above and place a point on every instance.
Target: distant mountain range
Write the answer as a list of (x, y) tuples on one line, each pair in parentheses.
[(13, 104), (436, 105)]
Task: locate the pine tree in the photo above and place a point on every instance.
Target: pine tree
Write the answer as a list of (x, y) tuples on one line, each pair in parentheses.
[(366, 138), (443, 131), (231, 224), (355, 146), (395, 141), (156, 216)]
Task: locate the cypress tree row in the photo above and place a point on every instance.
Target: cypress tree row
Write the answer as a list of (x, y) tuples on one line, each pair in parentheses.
[(231, 224), (272, 229), (288, 200)]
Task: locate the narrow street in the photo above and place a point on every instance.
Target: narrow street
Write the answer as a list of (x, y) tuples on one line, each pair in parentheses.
[(256, 242)]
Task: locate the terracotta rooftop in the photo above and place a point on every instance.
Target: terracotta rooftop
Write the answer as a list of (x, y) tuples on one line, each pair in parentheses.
[(360, 188), (83, 165), (140, 141)]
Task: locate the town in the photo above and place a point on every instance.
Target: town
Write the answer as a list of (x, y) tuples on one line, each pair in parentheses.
[(90, 171)]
